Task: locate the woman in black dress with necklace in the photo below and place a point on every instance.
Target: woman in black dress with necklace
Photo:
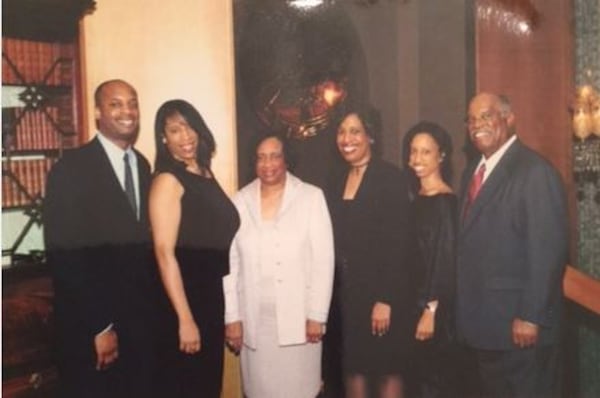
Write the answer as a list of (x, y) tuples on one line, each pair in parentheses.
[(193, 224), (427, 154), (372, 230)]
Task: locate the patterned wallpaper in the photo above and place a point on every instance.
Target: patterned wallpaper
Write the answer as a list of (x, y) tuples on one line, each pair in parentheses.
[(586, 161), (587, 42)]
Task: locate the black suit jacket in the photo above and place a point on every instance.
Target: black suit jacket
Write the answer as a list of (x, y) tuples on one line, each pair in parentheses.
[(512, 249), (98, 251), (375, 250)]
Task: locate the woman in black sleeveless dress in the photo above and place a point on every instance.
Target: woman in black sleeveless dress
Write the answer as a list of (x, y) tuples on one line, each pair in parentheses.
[(193, 223), (427, 154)]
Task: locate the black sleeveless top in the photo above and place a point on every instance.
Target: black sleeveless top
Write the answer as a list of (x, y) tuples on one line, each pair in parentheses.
[(208, 223)]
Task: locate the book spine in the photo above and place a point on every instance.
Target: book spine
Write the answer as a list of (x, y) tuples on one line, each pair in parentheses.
[(18, 172), (5, 184), (18, 135), (5, 67)]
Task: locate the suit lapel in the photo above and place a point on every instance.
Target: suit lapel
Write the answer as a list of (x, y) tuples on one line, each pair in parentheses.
[(251, 199), (104, 169), (464, 187), (500, 174), (364, 188), (107, 177), (289, 193)]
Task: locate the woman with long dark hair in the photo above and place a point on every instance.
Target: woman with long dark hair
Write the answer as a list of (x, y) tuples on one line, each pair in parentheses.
[(193, 223), (427, 153)]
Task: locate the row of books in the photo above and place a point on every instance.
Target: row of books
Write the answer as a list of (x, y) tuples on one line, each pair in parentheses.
[(37, 62), (31, 175), (33, 129)]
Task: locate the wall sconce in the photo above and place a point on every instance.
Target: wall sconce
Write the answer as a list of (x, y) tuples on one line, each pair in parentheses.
[(581, 116), (595, 113), (585, 110)]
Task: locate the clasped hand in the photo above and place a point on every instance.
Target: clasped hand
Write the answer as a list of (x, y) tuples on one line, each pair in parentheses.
[(189, 337), (426, 326), (525, 334), (234, 336), (380, 318), (107, 349), (314, 331)]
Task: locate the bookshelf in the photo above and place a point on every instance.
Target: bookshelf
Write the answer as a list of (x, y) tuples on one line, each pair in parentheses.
[(41, 118), (40, 97), (38, 122)]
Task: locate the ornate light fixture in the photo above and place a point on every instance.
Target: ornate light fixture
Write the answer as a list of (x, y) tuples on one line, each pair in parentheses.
[(306, 114), (586, 149), (581, 112)]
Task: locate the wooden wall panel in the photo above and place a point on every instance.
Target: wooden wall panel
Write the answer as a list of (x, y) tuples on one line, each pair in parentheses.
[(536, 72)]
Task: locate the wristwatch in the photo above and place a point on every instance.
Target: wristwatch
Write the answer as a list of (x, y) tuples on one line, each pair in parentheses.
[(432, 306)]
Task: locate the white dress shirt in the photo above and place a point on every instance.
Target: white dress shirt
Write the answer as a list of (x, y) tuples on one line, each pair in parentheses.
[(115, 156), (492, 161)]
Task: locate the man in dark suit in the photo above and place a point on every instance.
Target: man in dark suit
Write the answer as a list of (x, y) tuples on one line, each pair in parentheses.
[(98, 241), (512, 249)]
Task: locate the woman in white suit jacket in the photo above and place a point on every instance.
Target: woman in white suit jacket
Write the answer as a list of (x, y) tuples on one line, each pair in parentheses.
[(278, 292)]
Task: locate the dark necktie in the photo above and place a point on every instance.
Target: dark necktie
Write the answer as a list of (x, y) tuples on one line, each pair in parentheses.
[(474, 188), (129, 190)]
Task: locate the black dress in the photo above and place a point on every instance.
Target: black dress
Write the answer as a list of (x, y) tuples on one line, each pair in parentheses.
[(208, 223), (436, 223), (374, 249)]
